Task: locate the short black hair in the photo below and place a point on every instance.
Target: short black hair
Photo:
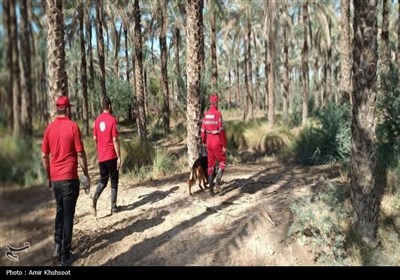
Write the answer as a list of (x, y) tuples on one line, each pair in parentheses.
[(106, 102)]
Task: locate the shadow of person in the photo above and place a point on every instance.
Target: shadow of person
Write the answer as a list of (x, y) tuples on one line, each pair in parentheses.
[(149, 198)]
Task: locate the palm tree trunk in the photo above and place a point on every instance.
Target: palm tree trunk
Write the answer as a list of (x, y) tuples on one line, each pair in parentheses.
[(26, 85), (100, 47), (304, 63), (117, 48), (84, 73), (94, 110), (194, 10), (249, 64), (398, 36), (177, 43), (345, 50), (364, 193), (16, 88), (272, 34), (140, 98), (9, 44), (164, 63), (58, 81), (385, 48), (214, 65)]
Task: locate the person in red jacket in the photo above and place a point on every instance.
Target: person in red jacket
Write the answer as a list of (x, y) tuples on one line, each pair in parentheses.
[(214, 136), (105, 135), (61, 148)]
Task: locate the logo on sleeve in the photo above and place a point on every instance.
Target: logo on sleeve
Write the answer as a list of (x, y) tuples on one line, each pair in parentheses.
[(102, 126)]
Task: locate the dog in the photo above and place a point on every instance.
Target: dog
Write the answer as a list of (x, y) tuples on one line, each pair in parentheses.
[(199, 172)]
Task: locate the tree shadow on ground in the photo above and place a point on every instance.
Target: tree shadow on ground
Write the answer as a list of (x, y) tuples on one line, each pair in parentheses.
[(150, 198), (111, 235)]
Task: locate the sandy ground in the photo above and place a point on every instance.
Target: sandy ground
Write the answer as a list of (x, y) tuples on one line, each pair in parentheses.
[(161, 225)]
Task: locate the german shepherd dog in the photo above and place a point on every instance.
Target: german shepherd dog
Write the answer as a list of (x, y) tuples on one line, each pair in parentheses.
[(199, 172)]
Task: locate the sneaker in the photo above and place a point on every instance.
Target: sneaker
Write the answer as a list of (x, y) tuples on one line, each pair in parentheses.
[(57, 252), (66, 260)]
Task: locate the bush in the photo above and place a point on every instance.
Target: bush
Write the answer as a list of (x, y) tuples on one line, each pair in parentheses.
[(136, 154), (235, 136), (20, 162), (320, 221), (327, 142)]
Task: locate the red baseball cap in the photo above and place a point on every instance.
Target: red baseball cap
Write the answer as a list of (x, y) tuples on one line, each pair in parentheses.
[(63, 102), (214, 99)]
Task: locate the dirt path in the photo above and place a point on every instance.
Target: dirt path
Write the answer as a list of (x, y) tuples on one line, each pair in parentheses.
[(160, 224)]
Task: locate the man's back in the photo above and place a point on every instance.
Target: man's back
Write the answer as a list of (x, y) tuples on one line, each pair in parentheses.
[(105, 129), (62, 140)]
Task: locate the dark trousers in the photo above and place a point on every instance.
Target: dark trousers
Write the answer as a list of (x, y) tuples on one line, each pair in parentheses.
[(108, 170), (66, 194)]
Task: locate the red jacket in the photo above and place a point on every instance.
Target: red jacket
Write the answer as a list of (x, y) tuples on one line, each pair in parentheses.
[(212, 128)]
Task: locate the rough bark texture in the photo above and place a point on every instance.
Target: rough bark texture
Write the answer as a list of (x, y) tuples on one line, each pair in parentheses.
[(16, 87), (26, 83), (286, 81), (214, 67), (364, 194), (84, 73), (385, 48), (58, 82), (304, 63), (272, 34), (9, 44), (139, 86), (345, 51), (194, 64), (100, 47), (164, 62)]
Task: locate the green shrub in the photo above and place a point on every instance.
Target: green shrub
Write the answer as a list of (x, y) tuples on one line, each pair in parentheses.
[(136, 154), (319, 221), (327, 142), (235, 135), (20, 162)]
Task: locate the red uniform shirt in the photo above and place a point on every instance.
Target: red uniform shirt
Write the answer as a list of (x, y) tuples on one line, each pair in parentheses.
[(105, 129), (62, 141), (212, 129)]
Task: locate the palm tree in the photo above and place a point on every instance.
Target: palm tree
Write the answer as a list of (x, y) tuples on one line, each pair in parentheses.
[(345, 49), (164, 62), (194, 65), (385, 47), (141, 121), (304, 62), (100, 46), (58, 82), (83, 70), (9, 97), (16, 83), (271, 27), (363, 192), (26, 85)]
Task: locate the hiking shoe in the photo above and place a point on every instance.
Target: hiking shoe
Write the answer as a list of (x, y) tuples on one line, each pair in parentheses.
[(66, 260)]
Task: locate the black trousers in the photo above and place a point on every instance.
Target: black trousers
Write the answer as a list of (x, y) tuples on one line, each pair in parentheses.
[(66, 194), (108, 170)]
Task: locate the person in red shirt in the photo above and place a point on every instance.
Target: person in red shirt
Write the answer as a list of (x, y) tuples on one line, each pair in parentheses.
[(214, 136), (105, 135), (62, 146)]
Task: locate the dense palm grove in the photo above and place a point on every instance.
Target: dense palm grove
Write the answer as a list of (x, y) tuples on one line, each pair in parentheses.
[(289, 60)]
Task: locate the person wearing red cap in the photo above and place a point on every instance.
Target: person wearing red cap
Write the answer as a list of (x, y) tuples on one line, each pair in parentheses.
[(214, 136), (105, 135), (61, 148)]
